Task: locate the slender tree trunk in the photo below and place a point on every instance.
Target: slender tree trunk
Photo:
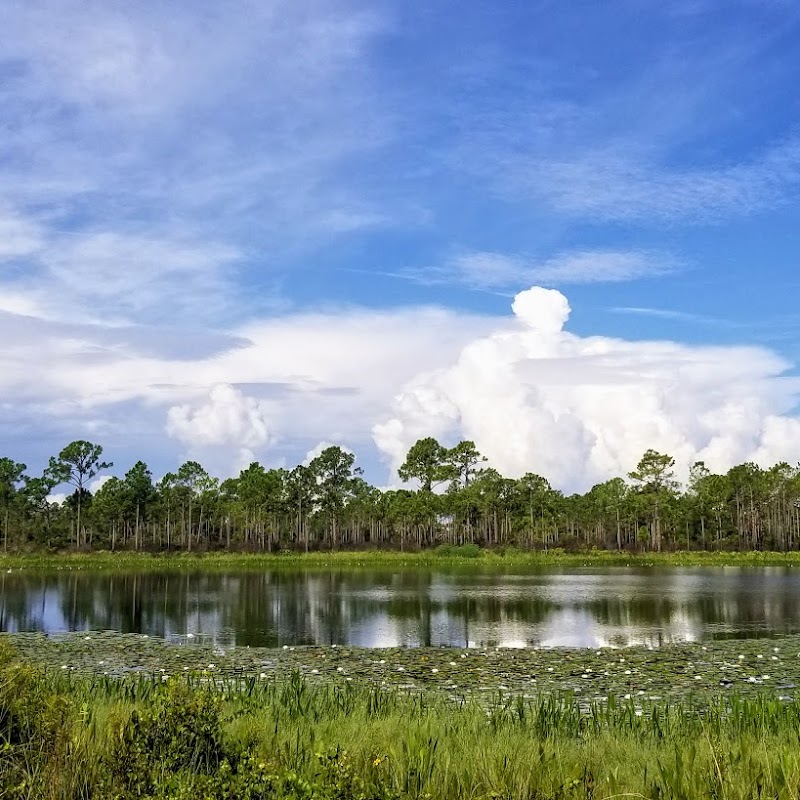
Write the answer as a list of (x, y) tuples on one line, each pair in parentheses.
[(78, 523), (136, 534)]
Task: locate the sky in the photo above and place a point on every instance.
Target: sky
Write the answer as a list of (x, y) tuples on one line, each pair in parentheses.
[(243, 230)]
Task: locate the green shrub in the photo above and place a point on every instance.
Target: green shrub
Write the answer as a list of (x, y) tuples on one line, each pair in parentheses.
[(471, 550), (35, 725), (180, 731)]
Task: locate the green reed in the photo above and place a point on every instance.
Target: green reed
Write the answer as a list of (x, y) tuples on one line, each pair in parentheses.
[(65, 735)]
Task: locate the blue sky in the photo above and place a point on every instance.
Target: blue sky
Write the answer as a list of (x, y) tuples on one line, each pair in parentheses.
[(239, 230)]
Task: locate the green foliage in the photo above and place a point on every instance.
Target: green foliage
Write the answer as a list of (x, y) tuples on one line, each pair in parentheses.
[(66, 737), (427, 462), (327, 505), (463, 459), (180, 731), (78, 463), (471, 550), (35, 722)]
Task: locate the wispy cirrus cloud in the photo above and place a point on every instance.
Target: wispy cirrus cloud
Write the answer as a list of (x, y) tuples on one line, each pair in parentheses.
[(192, 117), (493, 271), (123, 278), (672, 314), (616, 186), (19, 235), (154, 163), (660, 143)]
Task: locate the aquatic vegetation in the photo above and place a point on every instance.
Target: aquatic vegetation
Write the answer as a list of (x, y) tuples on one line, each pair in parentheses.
[(287, 736), (667, 674)]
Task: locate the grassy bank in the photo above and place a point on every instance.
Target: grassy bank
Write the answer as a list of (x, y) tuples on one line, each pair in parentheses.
[(69, 735), (381, 559)]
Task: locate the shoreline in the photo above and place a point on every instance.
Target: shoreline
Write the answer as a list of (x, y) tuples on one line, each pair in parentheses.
[(381, 559)]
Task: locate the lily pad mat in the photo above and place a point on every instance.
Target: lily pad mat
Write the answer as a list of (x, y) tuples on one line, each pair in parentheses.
[(673, 672)]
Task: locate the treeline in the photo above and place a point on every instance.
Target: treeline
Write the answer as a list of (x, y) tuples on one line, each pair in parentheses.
[(457, 500)]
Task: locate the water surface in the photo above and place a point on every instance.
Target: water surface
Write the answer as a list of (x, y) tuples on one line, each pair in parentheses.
[(555, 607)]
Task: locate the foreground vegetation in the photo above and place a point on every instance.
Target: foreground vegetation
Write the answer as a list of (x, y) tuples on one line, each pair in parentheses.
[(70, 735), (457, 502)]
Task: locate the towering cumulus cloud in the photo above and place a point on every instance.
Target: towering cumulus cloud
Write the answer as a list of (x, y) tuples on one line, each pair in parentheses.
[(579, 410), (228, 419)]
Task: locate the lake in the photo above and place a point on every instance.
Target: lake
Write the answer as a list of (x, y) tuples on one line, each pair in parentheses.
[(459, 607)]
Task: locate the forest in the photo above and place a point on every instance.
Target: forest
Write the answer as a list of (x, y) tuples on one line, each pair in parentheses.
[(455, 500)]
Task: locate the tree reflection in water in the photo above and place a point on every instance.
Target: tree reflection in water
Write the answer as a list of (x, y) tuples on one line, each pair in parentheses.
[(464, 607)]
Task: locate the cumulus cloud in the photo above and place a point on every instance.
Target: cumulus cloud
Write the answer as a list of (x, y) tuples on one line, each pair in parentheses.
[(302, 377), (227, 428), (98, 482), (228, 417), (532, 395), (579, 410)]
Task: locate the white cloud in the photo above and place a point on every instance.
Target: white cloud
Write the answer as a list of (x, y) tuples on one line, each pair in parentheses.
[(227, 429), (661, 141), (117, 278), (489, 270), (273, 387), (582, 409), (98, 482), (483, 270), (627, 181), (337, 361), (674, 315), (246, 121), (598, 266), (19, 236), (21, 303), (156, 162), (533, 396), (227, 418)]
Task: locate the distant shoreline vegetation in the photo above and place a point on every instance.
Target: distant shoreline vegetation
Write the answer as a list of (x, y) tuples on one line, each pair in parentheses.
[(441, 557), (459, 509)]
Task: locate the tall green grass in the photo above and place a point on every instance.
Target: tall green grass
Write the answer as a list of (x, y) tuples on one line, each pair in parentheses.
[(466, 556), (67, 736)]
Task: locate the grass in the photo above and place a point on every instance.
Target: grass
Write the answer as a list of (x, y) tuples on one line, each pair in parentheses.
[(104, 560), (65, 734)]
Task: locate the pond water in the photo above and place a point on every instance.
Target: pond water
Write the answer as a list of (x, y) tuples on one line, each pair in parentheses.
[(387, 608)]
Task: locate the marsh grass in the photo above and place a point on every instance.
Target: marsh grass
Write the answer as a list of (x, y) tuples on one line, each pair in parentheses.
[(470, 556), (66, 735)]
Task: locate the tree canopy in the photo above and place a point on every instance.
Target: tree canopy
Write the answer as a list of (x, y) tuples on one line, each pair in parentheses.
[(452, 497)]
